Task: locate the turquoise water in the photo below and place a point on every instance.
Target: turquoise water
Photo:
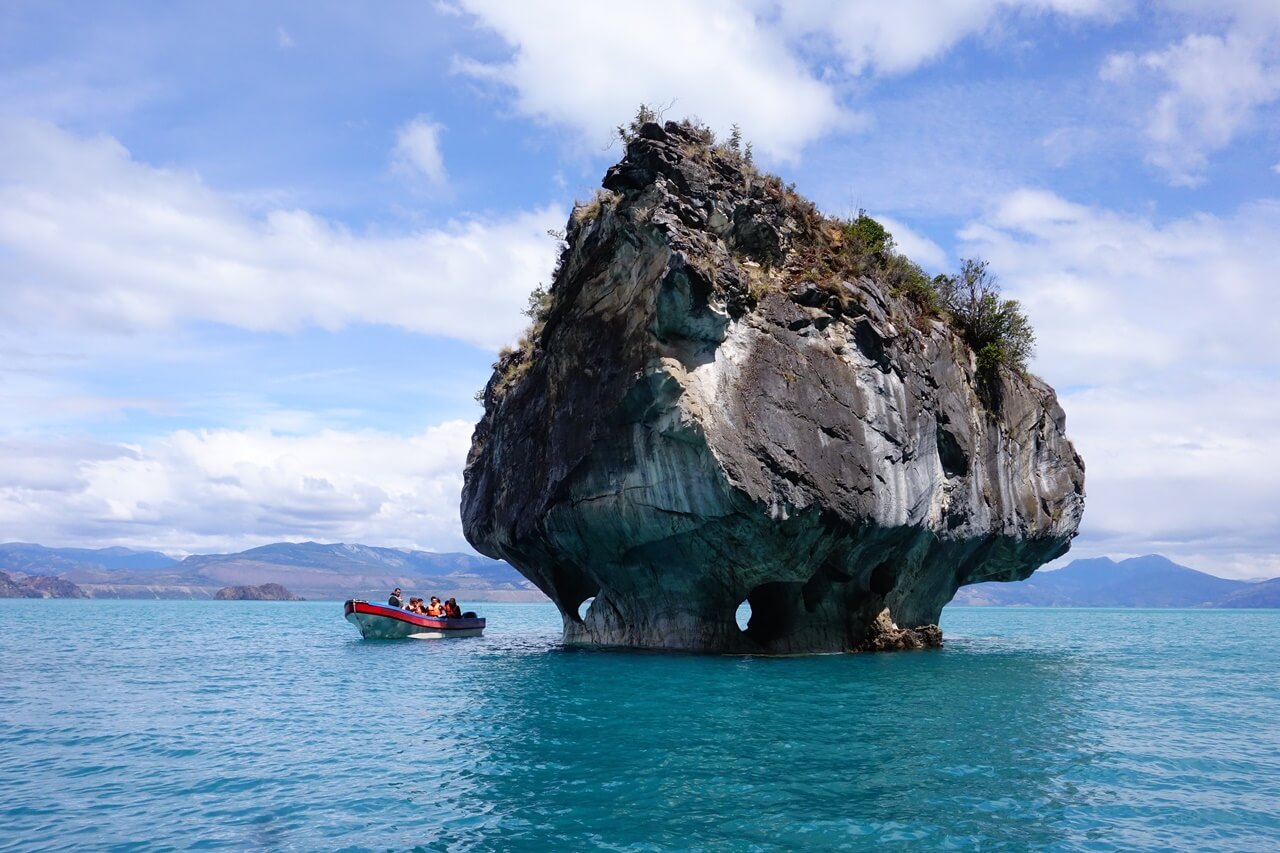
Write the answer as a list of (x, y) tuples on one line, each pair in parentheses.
[(255, 725)]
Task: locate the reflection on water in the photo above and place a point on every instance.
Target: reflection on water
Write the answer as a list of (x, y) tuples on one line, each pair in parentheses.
[(917, 751), (259, 725)]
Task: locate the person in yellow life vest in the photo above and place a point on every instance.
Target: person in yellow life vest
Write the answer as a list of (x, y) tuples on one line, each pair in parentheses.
[(435, 608)]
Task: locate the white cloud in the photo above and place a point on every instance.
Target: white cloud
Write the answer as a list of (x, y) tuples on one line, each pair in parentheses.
[(776, 69), (1161, 339), (894, 38), (91, 238), (1119, 296), (588, 65), (283, 39), (1211, 86), (417, 150), (231, 489), (915, 246), (1182, 464)]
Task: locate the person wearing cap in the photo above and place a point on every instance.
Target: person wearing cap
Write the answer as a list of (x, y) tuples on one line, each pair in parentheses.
[(394, 600)]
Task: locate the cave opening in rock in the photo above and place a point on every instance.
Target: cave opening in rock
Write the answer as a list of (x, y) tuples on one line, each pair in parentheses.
[(883, 579), (584, 608), (573, 587), (951, 454), (769, 608)]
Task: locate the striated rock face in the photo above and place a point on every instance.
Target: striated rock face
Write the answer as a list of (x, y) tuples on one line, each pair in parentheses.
[(722, 407)]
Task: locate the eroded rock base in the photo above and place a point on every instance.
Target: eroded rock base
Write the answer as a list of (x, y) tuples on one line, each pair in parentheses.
[(884, 636)]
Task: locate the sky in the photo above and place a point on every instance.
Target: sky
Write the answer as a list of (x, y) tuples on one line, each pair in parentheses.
[(256, 258)]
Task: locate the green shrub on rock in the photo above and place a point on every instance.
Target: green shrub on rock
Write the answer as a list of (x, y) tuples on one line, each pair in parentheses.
[(869, 235), (996, 328)]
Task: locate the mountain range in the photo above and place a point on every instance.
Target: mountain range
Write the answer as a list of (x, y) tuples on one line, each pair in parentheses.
[(1150, 581), (339, 571), (310, 569)]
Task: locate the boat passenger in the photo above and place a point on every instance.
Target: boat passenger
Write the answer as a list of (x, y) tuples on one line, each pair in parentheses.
[(452, 610), (415, 606), (394, 600), (435, 608)]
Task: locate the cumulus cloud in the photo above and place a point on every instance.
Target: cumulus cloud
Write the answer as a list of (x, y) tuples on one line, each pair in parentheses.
[(1207, 88), (1212, 87), (588, 65), (417, 150), (915, 246), (1181, 463), (230, 489), (91, 238), (752, 64), (1120, 295), (894, 38), (1159, 338)]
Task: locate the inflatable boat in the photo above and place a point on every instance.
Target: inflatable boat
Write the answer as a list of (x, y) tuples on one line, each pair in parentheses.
[(383, 622)]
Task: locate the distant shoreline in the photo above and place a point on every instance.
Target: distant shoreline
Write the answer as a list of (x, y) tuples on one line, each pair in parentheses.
[(303, 600), (549, 602), (337, 572)]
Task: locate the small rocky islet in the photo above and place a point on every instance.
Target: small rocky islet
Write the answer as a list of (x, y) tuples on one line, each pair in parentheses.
[(38, 586), (727, 396), (262, 592)]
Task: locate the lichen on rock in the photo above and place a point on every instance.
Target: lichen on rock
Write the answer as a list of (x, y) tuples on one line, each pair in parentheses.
[(725, 402)]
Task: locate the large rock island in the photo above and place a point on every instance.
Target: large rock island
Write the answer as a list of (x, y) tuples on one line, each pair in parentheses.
[(729, 397)]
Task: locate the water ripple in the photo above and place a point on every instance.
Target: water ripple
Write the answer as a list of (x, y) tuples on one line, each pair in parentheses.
[(199, 725)]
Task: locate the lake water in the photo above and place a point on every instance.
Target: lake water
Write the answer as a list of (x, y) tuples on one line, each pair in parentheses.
[(255, 725)]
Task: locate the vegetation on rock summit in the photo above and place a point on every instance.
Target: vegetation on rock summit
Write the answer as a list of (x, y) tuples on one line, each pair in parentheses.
[(823, 252)]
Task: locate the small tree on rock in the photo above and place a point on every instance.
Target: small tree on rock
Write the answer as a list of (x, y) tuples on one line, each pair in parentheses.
[(996, 328), (869, 235), (735, 139), (644, 114)]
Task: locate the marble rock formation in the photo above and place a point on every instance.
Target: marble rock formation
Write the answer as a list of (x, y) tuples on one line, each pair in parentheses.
[(723, 403)]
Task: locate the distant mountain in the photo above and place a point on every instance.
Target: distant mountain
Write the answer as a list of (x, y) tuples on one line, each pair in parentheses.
[(341, 570), (367, 557), (337, 571), (312, 569), (1150, 581), (37, 559), (1265, 594)]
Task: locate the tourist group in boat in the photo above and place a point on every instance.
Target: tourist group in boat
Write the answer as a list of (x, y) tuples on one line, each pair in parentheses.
[(419, 619), (446, 610)]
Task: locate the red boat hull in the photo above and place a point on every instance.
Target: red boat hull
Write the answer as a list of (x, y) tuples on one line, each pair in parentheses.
[(383, 622)]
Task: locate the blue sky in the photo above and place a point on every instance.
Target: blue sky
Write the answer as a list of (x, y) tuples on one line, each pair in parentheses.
[(256, 258)]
